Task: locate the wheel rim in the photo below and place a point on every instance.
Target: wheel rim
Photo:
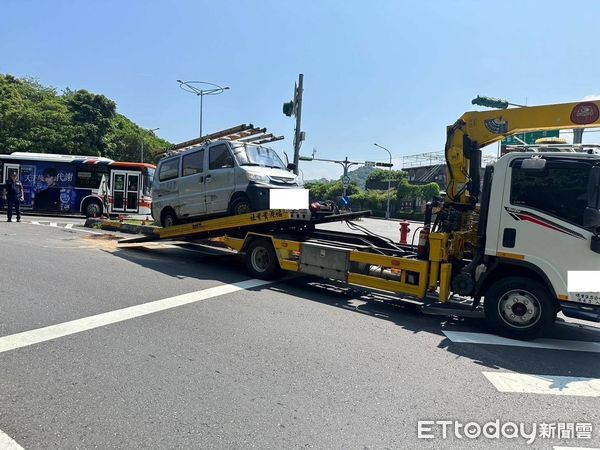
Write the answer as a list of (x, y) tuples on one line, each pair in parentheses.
[(93, 209), (242, 208), (519, 308), (260, 259), (169, 221)]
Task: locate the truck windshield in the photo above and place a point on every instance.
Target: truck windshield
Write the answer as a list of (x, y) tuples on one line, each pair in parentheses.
[(255, 155)]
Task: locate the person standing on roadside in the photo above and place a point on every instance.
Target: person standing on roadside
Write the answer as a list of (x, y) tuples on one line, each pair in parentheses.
[(14, 196)]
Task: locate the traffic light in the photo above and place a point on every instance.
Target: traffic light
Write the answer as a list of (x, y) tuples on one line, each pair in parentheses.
[(288, 108), (490, 102)]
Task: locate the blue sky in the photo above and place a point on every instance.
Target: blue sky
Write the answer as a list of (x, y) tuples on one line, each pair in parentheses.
[(391, 72)]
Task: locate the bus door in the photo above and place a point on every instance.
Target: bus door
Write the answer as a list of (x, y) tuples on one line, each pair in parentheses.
[(125, 187)]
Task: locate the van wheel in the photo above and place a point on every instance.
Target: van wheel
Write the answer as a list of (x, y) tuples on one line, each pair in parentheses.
[(261, 260), (92, 208), (518, 308), (168, 218), (240, 205)]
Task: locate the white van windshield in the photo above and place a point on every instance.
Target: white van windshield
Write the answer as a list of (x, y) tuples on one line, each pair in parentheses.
[(255, 155)]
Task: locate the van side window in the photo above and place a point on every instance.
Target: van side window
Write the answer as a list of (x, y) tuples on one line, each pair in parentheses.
[(559, 190), (193, 163), (169, 170), (220, 157)]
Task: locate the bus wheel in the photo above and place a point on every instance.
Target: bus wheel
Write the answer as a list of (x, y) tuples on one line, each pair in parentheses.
[(518, 308), (261, 259), (92, 208), (168, 218)]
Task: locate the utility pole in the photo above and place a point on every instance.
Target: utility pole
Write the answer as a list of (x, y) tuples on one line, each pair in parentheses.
[(295, 108), (142, 151)]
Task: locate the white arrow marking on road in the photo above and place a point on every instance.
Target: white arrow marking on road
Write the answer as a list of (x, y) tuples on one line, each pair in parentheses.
[(544, 384), (38, 335), (6, 443), (553, 344)]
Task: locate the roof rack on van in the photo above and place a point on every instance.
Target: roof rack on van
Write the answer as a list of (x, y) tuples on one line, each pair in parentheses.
[(244, 133)]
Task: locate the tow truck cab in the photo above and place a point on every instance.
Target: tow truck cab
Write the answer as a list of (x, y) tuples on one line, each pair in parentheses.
[(543, 218)]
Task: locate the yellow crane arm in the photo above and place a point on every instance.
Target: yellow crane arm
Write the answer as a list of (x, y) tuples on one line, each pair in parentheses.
[(477, 129)]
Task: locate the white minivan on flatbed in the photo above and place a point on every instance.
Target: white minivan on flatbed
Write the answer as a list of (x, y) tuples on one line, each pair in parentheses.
[(218, 177)]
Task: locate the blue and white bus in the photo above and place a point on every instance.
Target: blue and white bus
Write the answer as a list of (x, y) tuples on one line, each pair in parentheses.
[(88, 185)]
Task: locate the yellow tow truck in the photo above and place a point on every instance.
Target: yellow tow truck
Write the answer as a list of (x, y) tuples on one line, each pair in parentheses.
[(510, 239)]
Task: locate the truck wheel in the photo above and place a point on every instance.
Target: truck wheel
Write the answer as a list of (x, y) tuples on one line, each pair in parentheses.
[(518, 308), (261, 260), (93, 208), (240, 205), (168, 218)]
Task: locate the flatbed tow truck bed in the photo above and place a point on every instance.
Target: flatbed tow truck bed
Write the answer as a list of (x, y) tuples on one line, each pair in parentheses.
[(275, 240)]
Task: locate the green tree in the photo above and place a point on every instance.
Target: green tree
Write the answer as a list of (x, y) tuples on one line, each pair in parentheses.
[(92, 115)]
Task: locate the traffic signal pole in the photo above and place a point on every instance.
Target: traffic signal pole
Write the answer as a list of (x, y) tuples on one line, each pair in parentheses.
[(298, 109)]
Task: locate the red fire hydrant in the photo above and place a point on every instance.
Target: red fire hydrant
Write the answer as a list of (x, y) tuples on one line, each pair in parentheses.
[(404, 231)]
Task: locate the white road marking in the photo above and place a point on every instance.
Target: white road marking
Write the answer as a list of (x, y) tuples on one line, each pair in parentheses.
[(553, 344), (35, 222), (544, 384), (69, 225), (38, 335), (576, 448), (53, 224), (85, 231), (6, 443)]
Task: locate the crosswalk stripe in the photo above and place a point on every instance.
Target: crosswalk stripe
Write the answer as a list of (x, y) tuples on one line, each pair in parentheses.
[(553, 344), (53, 224), (544, 384), (7, 443)]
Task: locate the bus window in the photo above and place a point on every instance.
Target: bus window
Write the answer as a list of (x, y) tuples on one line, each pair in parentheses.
[(89, 179)]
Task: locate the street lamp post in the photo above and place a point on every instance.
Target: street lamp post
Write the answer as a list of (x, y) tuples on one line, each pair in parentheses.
[(188, 86), (387, 211), (142, 150)]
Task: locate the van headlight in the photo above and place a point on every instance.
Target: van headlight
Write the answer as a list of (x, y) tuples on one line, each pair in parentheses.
[(299, 181), (258, 178)]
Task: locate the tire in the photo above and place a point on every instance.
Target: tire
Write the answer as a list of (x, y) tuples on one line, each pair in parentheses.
[(168, 218), (261, 260), (92, 208), (240, 205), (518, 308)]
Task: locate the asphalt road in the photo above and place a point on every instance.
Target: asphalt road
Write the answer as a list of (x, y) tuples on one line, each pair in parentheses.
[(90, 359)]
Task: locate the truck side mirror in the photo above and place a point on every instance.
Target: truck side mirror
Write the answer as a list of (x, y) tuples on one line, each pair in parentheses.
[(291, 167), (591, 215)]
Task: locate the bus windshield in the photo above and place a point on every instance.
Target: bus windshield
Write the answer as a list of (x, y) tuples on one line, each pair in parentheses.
[(256, 155), (147, 181)]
